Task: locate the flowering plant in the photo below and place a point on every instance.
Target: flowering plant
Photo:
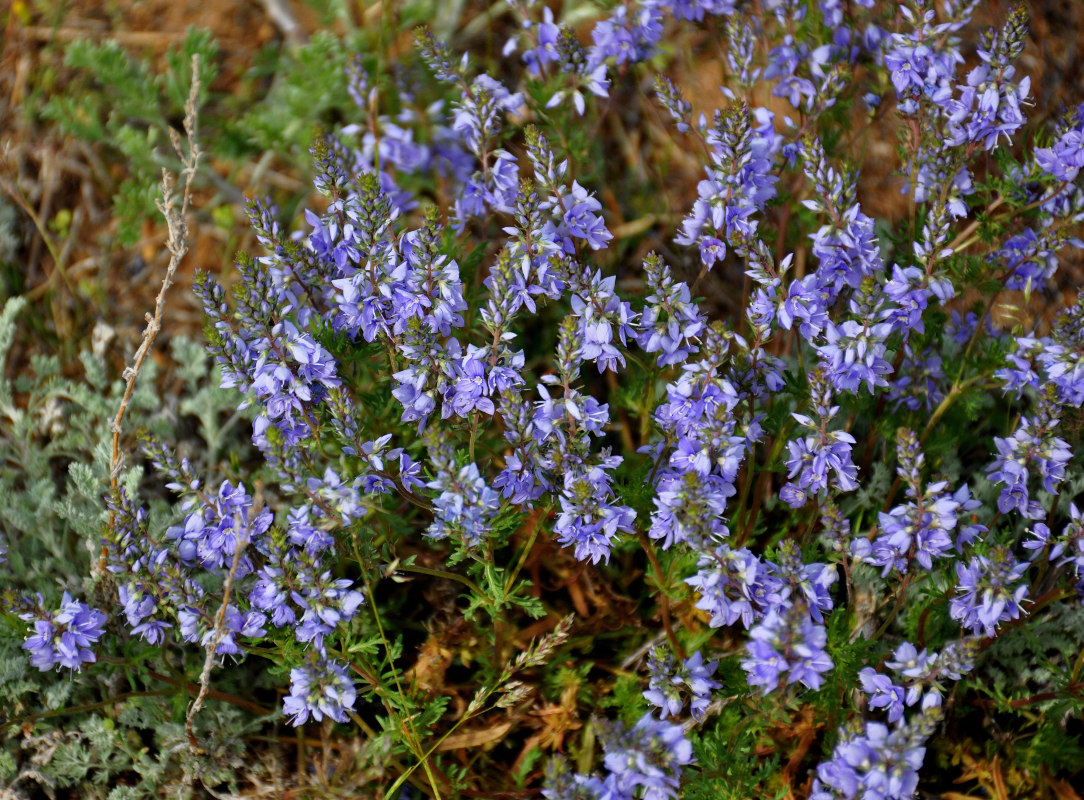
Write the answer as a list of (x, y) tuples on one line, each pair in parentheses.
[(490, 408)]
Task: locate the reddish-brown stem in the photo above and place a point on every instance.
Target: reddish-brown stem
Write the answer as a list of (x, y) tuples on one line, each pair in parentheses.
[(664, 602)]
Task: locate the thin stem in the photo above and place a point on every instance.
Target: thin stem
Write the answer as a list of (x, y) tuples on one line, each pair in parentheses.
[(216, 640), (899, 596), (410, 734), (664, 603), (439, 573), (524, 554), (177, 244)]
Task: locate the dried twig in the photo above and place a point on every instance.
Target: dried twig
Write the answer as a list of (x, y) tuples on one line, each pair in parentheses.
[(177, 244), (216, 639), (12, 190), (282, 16)]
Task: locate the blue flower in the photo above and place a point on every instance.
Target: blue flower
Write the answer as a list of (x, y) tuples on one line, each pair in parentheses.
[(466, 505), (882, 692), (545, 50), (471, 387), (319, 689), (1065, 157), (689, 508), (734, 585), (1032, 446), (671, 322), (990, 591), (64, 637), (788, 644), (212, 534), (580, 219), (669, 684), (877, 762), (589, 520)]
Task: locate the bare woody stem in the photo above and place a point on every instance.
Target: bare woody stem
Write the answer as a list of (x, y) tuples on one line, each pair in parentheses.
[(177, 244), (216, 638)]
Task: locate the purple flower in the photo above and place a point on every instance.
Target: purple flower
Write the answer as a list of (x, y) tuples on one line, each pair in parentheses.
[(324, 602), (319, 689), (669, 684), (882, 692), (787, 644), (645, 762), (804, 585), (739, 180), (689, 508), (580, 219), (923, 674), (476, 113), (648, 759), (854, 354), (304, 534), (471, 387), (1068, 547), (670, 321), (814, 459), (990, 591), (1031, 257), (922, 63), (712, 250), (212, 534), (734, 585), (989, 104), (920, 529), (466, 505), (1062, 356), (877, 762), (200, 628), (139, 605), (629, 34), (64, 637), (589, 520), (846, 249), (1065, 157), (545, 50), (807, 302), (271, 594), (602, 316), (1032, 447)]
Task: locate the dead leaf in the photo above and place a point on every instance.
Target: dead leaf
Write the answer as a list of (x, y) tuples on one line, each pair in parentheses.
[(476, 737), (1062, 790)]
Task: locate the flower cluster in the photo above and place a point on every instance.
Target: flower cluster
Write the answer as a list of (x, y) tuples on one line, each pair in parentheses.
[(644, 761), (990, 591), (670, 682), (877, 761), (788, 644), (922, 529), (445, 367), (63, 638), (1053, 368), (317, 690)]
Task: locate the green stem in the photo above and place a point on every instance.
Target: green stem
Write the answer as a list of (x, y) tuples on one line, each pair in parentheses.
[(439, 573), (523, 555), (88, 707), (896, 608), (664, 602), (424, 759), (408, 727)]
